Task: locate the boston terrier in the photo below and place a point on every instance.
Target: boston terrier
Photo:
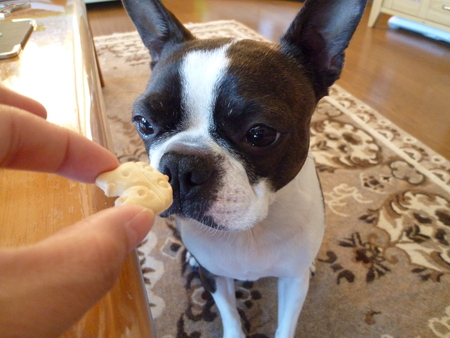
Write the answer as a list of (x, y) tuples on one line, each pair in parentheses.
[(228, 121)]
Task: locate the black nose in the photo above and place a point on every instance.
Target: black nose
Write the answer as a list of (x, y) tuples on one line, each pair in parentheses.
[(190, 175)]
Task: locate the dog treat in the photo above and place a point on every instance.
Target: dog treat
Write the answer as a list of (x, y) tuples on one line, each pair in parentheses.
[(137, 183)]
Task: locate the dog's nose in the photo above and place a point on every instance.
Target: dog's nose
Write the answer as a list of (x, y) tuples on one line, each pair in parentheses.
[(189, 174)]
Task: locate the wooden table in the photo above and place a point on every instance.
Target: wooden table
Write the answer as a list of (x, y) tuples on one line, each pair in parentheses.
[(58, 68)]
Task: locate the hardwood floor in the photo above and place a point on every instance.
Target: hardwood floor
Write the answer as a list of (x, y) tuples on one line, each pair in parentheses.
[(404, 76)]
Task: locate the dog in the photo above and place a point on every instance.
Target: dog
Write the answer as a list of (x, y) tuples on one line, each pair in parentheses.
[(228, 121)]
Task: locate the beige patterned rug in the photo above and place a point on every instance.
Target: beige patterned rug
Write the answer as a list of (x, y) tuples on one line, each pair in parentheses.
[(384, 266)]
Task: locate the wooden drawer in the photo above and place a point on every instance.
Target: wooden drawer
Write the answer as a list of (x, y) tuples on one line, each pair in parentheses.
[(411, 7), (437, 12)]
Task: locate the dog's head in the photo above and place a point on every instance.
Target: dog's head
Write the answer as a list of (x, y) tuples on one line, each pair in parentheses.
[(228, 119)]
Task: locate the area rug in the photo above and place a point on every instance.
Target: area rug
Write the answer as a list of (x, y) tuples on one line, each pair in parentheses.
[(384, 267)]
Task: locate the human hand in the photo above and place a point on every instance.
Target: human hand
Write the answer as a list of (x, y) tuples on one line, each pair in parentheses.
[(29, 142), (46, 287)]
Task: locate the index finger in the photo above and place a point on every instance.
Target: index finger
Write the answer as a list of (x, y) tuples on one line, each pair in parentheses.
[(11, 98), (31, 143)]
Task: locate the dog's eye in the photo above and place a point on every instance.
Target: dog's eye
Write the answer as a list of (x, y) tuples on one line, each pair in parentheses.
[(143, 126), (262, 135)]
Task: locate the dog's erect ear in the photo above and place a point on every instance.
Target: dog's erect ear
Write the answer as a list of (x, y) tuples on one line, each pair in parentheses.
[(157, 26), (319, 35)]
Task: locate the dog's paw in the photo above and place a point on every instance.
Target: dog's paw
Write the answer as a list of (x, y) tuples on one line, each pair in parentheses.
[(312, 269), (190, 259)]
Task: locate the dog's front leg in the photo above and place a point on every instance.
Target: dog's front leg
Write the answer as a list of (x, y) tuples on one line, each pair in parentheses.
[(291, 296), (225, 299)]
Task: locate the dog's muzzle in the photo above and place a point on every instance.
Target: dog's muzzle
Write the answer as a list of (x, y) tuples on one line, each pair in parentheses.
[(195, 179)]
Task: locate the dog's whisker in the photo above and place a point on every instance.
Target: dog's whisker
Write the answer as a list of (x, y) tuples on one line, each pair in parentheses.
[(133, 92), (251, 239)]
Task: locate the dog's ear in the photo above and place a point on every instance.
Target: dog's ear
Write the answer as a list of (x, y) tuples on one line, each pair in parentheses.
[(319, 35), (157, 26)]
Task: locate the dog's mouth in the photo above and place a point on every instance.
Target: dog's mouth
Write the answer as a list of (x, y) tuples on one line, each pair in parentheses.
[(194, 207), (215, 214), (205, 220)]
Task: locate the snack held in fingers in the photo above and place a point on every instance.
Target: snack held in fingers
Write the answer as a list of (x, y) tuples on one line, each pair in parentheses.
[(137, 183)]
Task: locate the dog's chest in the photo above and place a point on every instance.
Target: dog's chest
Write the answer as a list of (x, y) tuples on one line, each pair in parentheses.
[(247, 255)]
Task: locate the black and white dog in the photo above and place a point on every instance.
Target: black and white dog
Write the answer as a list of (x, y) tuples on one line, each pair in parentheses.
[(228, 121)]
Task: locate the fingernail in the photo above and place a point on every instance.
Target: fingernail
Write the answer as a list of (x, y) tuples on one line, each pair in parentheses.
[(139, 226)]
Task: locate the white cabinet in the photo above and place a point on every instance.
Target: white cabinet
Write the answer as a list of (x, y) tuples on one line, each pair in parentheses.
[(434, 13)]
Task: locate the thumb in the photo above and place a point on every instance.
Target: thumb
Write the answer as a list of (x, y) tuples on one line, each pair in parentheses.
[(47, 287)]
